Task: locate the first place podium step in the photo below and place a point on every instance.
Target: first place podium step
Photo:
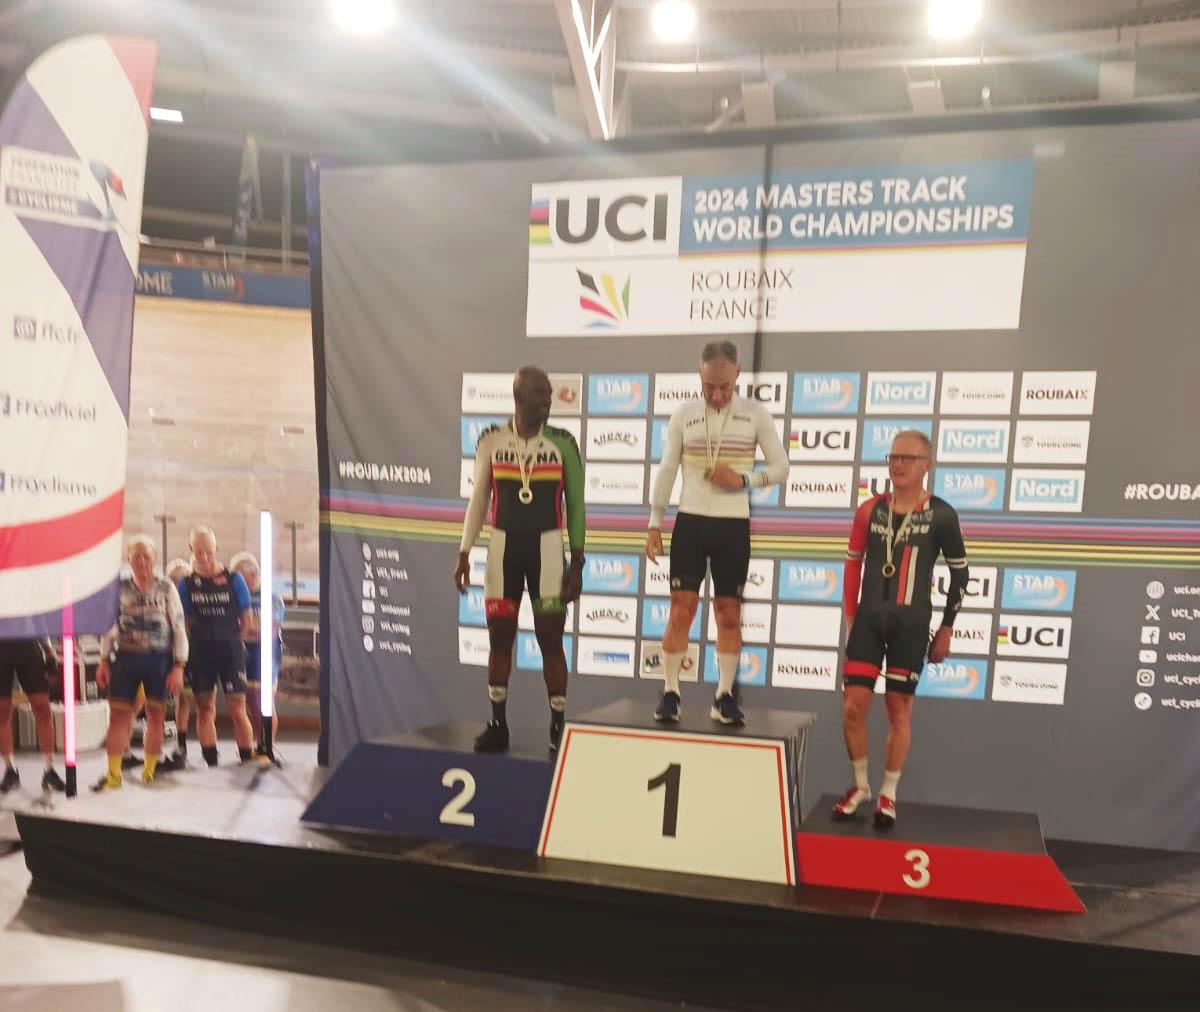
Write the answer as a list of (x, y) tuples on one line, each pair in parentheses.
[(695, 797)]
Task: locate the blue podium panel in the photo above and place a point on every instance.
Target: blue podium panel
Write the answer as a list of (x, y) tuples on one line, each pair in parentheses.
[(431, 784)]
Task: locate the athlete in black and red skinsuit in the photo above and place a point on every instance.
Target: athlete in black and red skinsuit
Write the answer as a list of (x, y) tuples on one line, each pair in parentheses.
[(894, 543)]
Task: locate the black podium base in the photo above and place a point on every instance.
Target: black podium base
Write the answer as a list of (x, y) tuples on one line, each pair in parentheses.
[(237, 832)]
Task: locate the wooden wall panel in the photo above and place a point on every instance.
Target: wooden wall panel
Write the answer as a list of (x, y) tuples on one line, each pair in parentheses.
[(231, 381)]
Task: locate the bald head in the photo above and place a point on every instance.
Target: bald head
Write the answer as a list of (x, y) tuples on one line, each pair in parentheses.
[(532, 395)]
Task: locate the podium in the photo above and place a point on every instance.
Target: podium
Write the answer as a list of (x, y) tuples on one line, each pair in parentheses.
[(697, 797), (431, 783), (694, 797), (969, 854)]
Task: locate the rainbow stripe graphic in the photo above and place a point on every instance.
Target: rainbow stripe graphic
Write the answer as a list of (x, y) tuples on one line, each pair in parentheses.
[(539, 223), (817, 534)]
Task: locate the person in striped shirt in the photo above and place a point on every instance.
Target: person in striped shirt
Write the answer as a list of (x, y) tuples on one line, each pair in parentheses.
[(713, 438), (894, 543)]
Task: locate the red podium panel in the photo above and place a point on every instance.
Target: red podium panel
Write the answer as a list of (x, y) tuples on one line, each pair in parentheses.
[(973, 855)]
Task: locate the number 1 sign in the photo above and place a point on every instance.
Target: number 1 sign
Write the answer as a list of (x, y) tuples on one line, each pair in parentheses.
[(672, 801)]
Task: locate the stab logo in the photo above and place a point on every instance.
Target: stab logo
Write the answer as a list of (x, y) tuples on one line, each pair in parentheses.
[(825, 393), (624, 394), (1038, 589), (965, 679), (981, 489), (611, 574), (752, 665), (810, 581)]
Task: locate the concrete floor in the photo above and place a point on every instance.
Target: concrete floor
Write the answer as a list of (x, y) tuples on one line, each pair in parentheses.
[(57, 955)]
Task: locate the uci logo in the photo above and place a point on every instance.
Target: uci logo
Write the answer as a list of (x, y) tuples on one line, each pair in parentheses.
[(628, 218)]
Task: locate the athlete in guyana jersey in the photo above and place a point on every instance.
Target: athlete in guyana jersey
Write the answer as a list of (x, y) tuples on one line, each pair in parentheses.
[(894, 543), (533, 476)]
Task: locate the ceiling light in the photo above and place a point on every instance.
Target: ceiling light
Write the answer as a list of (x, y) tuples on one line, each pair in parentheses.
[(673, 20), (162, 115), (953, 19), (363, 17)]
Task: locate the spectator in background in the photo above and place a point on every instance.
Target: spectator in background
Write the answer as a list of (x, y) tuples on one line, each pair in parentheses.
[(146, 650), (217, 605), (28, 662), (247, 565), (176, 571)]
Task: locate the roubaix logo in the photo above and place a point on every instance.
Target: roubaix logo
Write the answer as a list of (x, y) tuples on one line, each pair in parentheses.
[(825, 393), (752, 666), (954, 679), (1046, 491), (674, 388), (977, 489), (611, 574), (822, 439), (901, 393), (605, 218), (878, 434), (800, 580), (820, 486), (973, 442), (804, 669), (1022, 682), (976, 393), (1038, 590), (1058, 393), (623, 394)]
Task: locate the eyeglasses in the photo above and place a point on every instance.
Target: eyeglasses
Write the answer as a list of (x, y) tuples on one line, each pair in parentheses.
[(904, 458)]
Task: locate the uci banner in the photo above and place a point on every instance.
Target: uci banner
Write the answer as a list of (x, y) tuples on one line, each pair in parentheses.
[(913, 247), (72, 163)]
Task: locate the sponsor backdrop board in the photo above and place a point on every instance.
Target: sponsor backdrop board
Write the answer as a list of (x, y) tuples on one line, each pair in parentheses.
[(975, 286)]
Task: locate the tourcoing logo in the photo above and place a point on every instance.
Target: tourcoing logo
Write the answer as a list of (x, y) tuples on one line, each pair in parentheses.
[(606, 308)]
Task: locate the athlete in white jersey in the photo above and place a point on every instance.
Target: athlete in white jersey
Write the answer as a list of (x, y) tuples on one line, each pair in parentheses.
[(714, 439)]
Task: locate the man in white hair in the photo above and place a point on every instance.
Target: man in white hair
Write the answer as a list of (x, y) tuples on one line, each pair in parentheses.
[(217, 605), (145, 650)]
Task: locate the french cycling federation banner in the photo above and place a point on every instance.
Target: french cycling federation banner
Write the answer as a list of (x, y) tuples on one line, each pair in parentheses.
[(72, 163), (939, 247)]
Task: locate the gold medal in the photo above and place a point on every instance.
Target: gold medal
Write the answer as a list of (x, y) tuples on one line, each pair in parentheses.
[(525, 493)]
